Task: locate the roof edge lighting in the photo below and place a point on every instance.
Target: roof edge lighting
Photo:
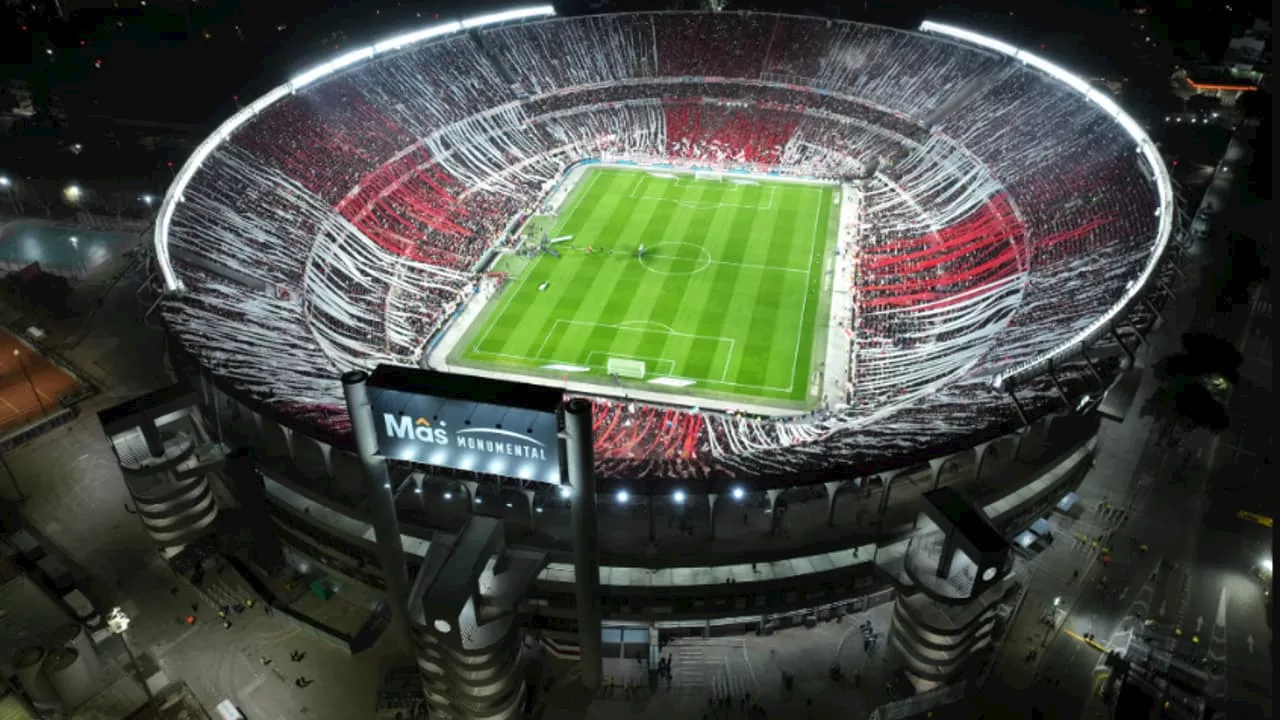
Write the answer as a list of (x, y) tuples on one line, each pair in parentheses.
[(1164, 184), (174, 194)]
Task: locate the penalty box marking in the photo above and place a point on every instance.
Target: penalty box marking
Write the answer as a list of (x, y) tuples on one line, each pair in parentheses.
[(640, 326), (660, 362), (683, 181)]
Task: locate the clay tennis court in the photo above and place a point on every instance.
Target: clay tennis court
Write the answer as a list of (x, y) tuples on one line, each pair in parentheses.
[(19, 405)]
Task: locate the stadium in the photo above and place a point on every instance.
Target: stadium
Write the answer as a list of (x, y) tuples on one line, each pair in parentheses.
[(965, 217), (804, 271)]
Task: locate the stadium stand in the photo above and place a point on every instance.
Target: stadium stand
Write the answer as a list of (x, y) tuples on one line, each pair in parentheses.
[(366, 203)]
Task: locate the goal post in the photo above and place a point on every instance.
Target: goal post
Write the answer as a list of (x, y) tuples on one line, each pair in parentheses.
[(626, 367), (708, 176)]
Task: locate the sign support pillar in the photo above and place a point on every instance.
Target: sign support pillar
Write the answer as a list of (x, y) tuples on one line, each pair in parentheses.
[(580, 458), (382, 502)]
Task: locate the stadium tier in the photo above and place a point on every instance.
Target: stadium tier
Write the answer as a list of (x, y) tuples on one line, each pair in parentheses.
[(987, 219)]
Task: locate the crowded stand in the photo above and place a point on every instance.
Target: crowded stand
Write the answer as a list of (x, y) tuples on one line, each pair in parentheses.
[(346, 223), (733, 134)]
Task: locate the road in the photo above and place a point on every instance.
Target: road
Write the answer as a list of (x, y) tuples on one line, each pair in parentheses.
[(1193, 581)]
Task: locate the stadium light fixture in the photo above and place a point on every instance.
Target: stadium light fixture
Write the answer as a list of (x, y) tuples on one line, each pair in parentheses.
[(182, 179), (417, 36), (623, 497), (1164, 184), (512, 15), (678, 496)]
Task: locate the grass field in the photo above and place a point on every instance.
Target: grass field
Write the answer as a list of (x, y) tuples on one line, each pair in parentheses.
[(727, 300)]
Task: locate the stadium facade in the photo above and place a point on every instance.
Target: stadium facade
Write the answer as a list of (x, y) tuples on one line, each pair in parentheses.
[(1013, 244)]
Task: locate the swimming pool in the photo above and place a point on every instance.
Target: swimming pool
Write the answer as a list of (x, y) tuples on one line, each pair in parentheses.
[(59, 249)]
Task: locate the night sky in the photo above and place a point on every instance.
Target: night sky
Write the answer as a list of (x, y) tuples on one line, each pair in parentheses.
[(102, 76)]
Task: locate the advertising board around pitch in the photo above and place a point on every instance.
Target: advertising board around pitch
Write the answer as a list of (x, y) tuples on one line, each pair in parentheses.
[(467, 423)]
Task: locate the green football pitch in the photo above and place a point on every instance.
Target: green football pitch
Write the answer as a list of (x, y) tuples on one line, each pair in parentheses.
[(727, 299)]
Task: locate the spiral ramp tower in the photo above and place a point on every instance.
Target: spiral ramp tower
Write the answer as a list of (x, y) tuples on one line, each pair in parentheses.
[(72, 636), (72, 677), (955, 575), (465, 631), (28, 664), (166, 459)]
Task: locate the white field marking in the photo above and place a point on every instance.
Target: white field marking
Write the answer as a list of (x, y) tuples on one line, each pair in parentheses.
[(528, 270), (709, 262), (622, 327), (475, 350), (645, 324), (700, 205), (684, 182), (523, 360), (804, 302), (648, 361)]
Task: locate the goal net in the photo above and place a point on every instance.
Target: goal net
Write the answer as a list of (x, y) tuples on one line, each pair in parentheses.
[(623, 367), (708, 176)]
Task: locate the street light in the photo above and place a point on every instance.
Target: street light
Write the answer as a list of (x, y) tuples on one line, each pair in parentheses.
[(25, 371), (75, 245), (118, 623), (13, 479), (8, 188), (72, 193)]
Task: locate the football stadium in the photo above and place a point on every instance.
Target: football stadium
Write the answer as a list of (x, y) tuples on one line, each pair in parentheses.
[(771, 250)]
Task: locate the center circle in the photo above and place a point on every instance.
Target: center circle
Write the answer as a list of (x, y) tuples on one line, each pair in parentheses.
[(676, 258)]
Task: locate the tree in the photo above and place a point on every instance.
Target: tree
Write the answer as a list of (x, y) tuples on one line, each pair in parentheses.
[(1243, 270), (1193, 387)]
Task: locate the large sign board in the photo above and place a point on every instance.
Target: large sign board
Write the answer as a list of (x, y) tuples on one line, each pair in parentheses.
[(467, 423)]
